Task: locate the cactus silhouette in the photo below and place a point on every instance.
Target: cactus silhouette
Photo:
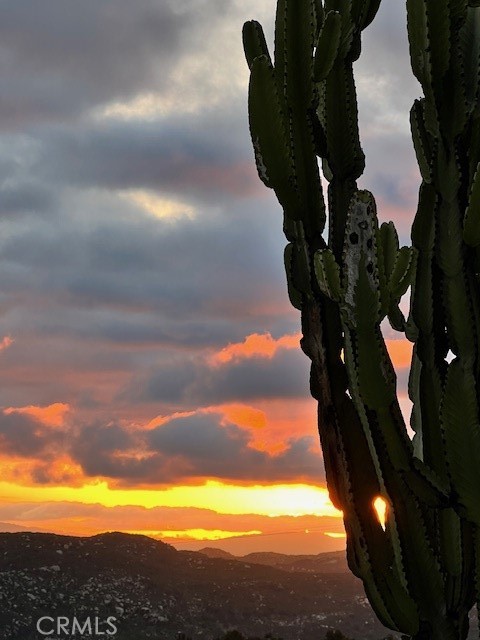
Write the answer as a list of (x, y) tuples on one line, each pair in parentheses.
[(421, 569)]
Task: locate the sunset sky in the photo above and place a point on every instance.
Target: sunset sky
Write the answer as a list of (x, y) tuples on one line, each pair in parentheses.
[(151, 378)]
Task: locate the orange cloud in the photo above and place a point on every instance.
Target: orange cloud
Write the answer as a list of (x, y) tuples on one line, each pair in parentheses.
[(237, 413), (22, 472), (52, 415), (241, 414), (256, 345), (278, 420), (159, 420)]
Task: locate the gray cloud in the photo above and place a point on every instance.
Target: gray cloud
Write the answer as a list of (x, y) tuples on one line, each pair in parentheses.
[(25, 198), (205, 156), (21, 435), (187, 382), (62, 58), (137, 279), (191, 448)]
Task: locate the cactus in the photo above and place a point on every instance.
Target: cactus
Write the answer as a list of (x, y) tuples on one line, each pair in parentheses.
[(421, 571)]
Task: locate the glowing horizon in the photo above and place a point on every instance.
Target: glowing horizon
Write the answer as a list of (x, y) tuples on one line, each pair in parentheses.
[(269, 500)]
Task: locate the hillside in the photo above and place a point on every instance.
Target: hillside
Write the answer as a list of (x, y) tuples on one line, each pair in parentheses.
[(154, 591)]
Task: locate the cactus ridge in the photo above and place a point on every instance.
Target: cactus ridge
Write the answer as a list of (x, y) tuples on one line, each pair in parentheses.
[(422, 572)]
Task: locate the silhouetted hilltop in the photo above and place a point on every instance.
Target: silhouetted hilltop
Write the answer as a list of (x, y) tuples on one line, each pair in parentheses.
[(213, 552)]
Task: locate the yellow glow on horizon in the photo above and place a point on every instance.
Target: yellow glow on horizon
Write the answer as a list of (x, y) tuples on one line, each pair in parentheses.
[(194, 534), (335, 534), (274, 500)]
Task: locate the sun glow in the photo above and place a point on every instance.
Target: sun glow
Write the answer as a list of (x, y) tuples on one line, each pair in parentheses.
[(380, 506), (195, 534)]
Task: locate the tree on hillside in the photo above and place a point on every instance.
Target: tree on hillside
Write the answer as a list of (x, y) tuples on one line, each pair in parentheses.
[(418, 569)]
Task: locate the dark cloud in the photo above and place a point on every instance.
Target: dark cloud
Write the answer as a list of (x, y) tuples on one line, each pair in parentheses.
[(59, 59), (284, 376), (143, 280), (25, 198), (210, 449), (22, 435), (189, 382), (202, 156), (190, 448), (97, 447)]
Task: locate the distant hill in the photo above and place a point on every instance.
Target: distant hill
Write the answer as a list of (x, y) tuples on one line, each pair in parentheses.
[(213, 552), (154, 591), (7, 527), (330, 562)]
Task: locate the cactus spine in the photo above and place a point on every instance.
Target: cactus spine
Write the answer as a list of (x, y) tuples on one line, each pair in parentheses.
[(422, 571)]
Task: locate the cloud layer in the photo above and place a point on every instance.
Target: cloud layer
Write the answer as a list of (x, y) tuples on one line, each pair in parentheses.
[(143, 295)]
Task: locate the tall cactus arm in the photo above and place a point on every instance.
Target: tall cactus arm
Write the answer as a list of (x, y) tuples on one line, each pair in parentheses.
[(294, 50), (254, 43), (327, 45), (269, 131), (423, 142)]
